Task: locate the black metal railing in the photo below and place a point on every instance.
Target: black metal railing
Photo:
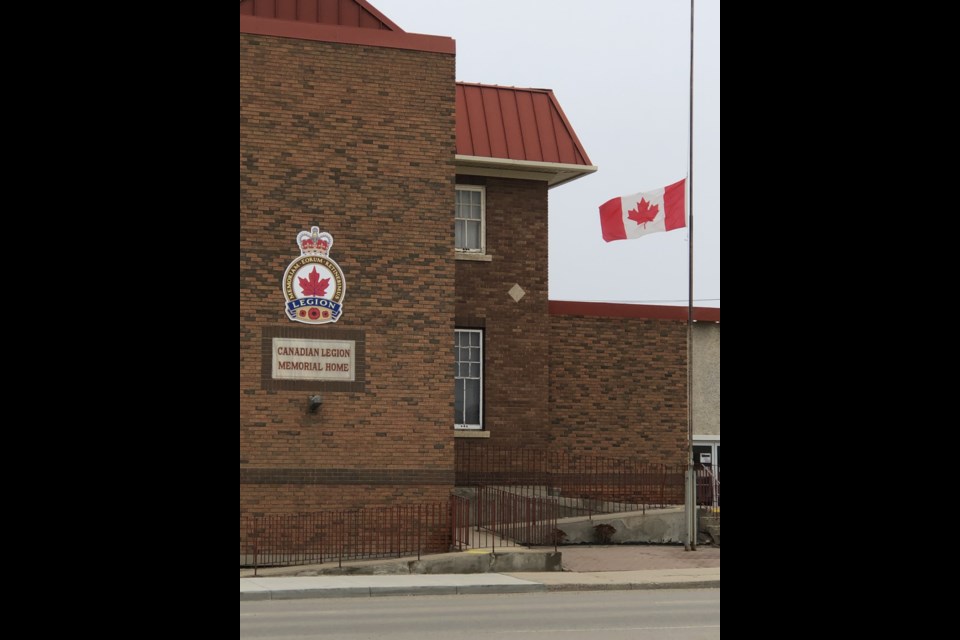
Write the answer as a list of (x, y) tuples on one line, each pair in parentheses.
[(283, 540), (579, 484), (505, 498), (491, 518), (708, 486)]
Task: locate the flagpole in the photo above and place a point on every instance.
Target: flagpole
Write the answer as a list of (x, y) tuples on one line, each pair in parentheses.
[(691, 473)]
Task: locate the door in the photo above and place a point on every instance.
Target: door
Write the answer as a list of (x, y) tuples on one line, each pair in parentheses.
[(706, 460)]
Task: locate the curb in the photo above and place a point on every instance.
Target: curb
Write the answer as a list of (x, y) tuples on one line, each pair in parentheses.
[(433, 590), (373, 592), (636, 586)]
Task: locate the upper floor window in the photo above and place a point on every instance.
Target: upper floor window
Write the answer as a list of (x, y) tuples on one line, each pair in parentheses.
[(470, 219)]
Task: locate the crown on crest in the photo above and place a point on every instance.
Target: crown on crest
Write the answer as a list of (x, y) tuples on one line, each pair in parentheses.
[(314, 243)]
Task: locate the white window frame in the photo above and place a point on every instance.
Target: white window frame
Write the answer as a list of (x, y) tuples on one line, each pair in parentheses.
[(467, 426), (483, 219)]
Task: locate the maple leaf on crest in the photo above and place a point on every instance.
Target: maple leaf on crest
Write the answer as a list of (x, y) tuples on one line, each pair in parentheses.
[(644, 213), (314, 286)]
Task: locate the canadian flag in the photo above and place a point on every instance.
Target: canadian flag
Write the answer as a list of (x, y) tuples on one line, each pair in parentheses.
[(629, 217)]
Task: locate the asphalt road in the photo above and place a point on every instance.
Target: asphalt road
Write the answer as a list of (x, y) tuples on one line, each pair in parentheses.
[(611, 615)]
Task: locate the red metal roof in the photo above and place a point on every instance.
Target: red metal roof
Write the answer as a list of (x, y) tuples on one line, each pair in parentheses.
[(342, 13), (515, 124), (642, 311)]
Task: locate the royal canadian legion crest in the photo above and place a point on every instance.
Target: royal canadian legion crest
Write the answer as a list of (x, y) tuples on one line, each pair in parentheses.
[(313, 283)]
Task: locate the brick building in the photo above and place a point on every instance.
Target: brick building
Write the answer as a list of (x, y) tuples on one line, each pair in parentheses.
[(435, 195)]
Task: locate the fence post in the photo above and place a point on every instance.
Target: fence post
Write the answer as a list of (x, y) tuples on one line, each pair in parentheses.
[(256, 548), (496, 511)]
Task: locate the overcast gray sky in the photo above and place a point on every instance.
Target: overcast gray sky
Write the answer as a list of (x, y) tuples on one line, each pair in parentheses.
[(621, 71)]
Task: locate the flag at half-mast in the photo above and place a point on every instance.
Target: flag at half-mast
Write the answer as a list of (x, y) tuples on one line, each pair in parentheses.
[(636, 215)]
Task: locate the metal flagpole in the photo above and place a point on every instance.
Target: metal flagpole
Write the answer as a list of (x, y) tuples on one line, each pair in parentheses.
[(691, 473)]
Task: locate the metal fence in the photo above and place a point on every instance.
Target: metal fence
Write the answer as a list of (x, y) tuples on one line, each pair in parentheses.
[(505, 497), (491, 518), (578, 484), (283, 540), (708, 486)]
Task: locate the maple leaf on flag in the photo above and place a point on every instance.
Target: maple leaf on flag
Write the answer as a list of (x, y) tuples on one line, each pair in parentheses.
[(644, 213), (314, 286)]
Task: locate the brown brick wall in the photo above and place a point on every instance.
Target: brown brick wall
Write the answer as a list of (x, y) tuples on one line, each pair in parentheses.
[(516, 334), (270, 499), (359, 141), (618, 388)]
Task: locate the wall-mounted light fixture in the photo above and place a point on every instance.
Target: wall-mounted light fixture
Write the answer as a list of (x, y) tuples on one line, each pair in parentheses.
[(315, 402)]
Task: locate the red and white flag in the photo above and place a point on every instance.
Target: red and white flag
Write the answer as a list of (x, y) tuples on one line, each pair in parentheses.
[(636, 215)]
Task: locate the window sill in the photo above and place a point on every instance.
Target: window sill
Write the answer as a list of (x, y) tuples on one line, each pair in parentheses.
[(474, 257), (470, 433)]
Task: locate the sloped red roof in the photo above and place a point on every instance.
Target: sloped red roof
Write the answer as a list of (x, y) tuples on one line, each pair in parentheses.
[(342, 13), (515, 124)]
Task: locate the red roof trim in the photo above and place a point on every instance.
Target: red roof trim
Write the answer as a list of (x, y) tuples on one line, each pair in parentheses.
[(390, 24), (345, 13), (513, 123), (346, 35), (639, 311)]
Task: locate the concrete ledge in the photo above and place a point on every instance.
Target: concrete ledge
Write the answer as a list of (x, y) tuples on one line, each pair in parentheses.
[(510, 560), (474, 257), (470, 433), (657, 526)]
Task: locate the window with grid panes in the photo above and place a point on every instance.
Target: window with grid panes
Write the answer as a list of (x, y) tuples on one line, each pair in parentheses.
[(468, 370), (469, 219)]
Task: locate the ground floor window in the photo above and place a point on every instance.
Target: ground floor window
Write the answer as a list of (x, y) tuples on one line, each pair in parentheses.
[(468, 372)]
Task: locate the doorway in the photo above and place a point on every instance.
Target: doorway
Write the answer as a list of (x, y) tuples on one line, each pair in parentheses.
[(706, 461)]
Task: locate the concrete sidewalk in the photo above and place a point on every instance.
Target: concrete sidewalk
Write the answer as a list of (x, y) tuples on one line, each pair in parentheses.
[(252, 589), (593, 569), (367, 586)]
